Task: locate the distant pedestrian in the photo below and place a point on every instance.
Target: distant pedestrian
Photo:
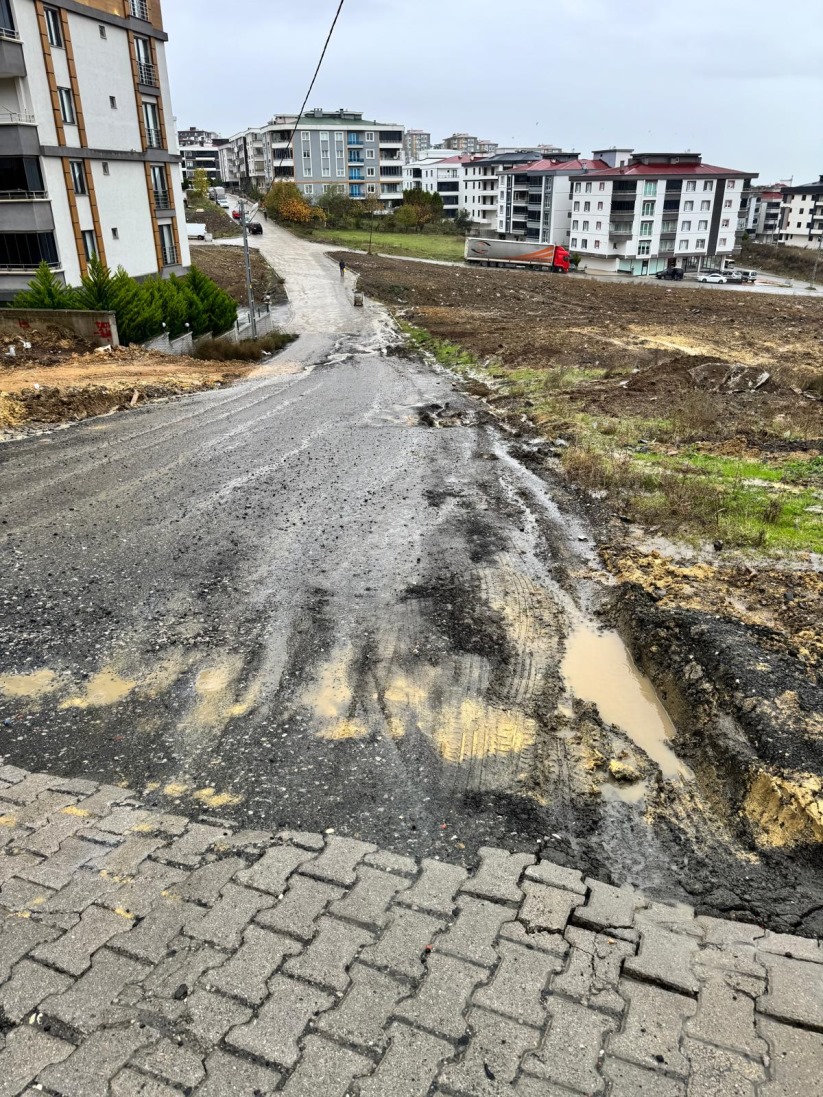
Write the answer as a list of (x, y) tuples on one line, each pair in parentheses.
[(342, 268)]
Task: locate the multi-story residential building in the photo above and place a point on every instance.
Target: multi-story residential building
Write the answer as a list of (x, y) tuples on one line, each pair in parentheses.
[(801, 215), (469, 145), (481, 181), (439, 172), (415, 144), (195, 157), (632, 213), (195, 136), (338, 151), (88, 156), (763, 220)]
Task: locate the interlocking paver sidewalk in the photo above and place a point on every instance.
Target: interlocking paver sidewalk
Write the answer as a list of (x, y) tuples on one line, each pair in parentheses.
[(142, 953)]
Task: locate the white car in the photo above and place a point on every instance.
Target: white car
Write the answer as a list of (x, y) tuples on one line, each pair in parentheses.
[(718, 279), (223, 203)]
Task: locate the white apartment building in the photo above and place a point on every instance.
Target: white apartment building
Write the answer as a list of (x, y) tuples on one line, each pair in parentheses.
[(631, 213), (439, 171), (415, 144), (332, 150), (801, 215), (89, 161), (481, 182), (765, 207)]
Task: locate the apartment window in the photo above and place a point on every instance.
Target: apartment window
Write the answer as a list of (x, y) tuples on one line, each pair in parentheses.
[(646, 228), (596, 244), (584, 244), (705, 205), (575, 225), (151, 119), (369, 154), (587, 207), (102, 31), (691, 184), (105, 167), (577, 207), (669, 226), (601, 186), (728, 204), (599, 207), (686, 226), (324, 136), (588, 188), (585, 226), (308, 188), (644, 247), (688, 206), (371, 188), (576, 188), (325, 169), (115, 234), (708, 184), (338, 137), (702, 226), (650, 186), (371, 172), (341, 172), (54, 28), (700, 244), (168, 246), (599, 226), (573, 242), (78, 176), (369, 136), (725, 224), (684, 245), (66, 105), (89, 244), (113, 102), (648, 209), (730, 184), (305, 135), (722, 241)]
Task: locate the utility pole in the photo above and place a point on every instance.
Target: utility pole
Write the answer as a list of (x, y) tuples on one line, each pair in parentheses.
[(247, 257), (817, 251)]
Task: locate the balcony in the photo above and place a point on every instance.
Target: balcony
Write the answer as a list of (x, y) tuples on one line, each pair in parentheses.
[(162, 199), (169, 255), (356, 159), (23, 195), (354, 139), (140, 10), (147, 74), (154, 139), (16, 118), (620, 230)]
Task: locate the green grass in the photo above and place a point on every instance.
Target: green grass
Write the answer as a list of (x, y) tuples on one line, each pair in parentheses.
[(417, 245)]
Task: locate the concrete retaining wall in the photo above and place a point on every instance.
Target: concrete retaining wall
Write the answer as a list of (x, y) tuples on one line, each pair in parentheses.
[(186, 343), (99, 328)]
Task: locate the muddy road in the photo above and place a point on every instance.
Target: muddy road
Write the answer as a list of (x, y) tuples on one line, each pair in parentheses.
[(334, 598)]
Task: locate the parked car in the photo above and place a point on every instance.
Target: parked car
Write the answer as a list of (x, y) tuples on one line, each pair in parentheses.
[(255, 228), (223, 203), (673, 273), (236, 214), (717, 279)]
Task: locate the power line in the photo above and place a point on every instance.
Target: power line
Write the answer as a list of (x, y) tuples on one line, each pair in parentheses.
[(316, 71)]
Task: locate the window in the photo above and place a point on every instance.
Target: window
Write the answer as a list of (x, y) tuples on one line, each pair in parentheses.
[(599, 207), (308, 188), (54, 28), (371, 172), (728, 204), (369, 154), (691, 184), (688, 206), (105, 167), (575, 225), (584, 244), (648, 209), (699, 244), (722, 241), (585, 226), (597, 242), (646, 228), (702, 226), (115, 234), (573, 242), (113, 102), (325, 170), (305, 135), (371, 188), (708, 184), (588, 188), (686, 226), (599, 226), (577, 207), (705, 206), (338, 137), (684, 245), (324, 136), (725, 223), (602, 186), (576, 188), (650, 186), (78, 176), (369, 136), (669, 226), (730, 185), (644, 247), (89, 244), (341, 172), (102, 30), (66, 105)]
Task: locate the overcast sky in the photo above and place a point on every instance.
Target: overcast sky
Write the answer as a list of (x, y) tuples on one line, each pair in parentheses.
[(739, 80)]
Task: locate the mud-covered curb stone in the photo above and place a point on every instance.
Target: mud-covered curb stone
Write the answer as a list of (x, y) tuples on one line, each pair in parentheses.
[(143, 952)]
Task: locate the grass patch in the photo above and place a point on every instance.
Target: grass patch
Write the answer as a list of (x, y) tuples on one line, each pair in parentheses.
[(247, 350), (416, 245)]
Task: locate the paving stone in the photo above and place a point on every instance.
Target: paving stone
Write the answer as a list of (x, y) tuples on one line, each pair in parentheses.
[(369, 899), (87, 1072), (229, 1076), (32, 786), (653, 1027), (409, 1066), (19, 895), (537, 939), (676, 917), (303, 838), (297, 912), (718, 1072), (328, 957), (436, 887), (208, 1017), (47, 840), (630, 1080), (498, 875), (607, 907), (442, 999), (246, 974), (492, 1058), (149, 940), (665, 958), (517, 987), (88, 1003), (272, 1036), (13, 864), (720, 932), (188, 850), (250, 841), (338, 862), (139, 895), (793, 948), (123, 819), (101, 801), (362, 1016), (129, 1083), (176, 1064), (56, 871), (325, 1068), (472, 934), (10, 839), (592, 974), (182, 969), (795, 1063), (36, 813), (26, 988), (12, 774), (73, 951), (27, 1052), (19, 936), (400, 948), (725, 1013), (570, 1052), (224, 923), (738, 960), (546, 907), (557, 876), (274, 868), (795, 991), (205, 884), (87, 887), (391, 862), (529, 1086), (125, 859)]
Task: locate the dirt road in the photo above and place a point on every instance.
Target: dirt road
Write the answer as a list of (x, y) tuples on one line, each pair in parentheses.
[(334, 598)]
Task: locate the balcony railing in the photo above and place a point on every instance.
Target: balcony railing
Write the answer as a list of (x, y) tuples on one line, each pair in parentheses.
[(147, 74), (169, 255), (10, 33), (22, 195), (162, 199), (620, 230), (31, 264), (16, 118), (140, 10), (154, 139)]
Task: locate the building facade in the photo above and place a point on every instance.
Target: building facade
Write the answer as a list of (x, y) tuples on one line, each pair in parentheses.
[(801, 215), (630, 213), (765, 207), (415, 144), (481, 185), (205, 157), (88, 154), (469, 145), (195, 136), (335, 151), (438, 174)]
